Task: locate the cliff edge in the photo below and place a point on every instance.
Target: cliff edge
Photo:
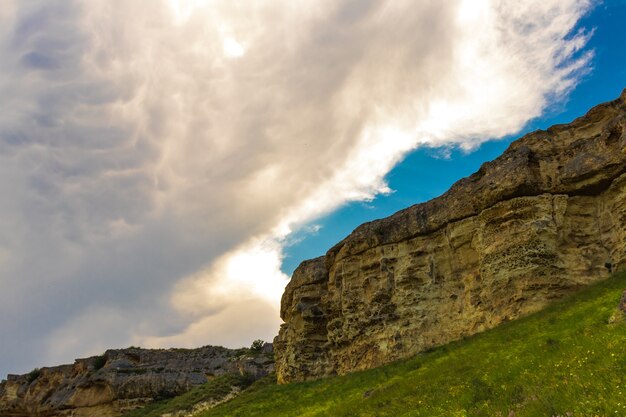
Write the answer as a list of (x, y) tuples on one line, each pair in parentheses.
[(544, 219), (121, 380)]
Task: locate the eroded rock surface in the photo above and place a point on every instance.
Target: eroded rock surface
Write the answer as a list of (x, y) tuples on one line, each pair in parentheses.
[(124, 379), (544, 219)]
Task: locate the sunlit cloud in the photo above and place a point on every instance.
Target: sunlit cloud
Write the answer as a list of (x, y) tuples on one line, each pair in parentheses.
[(233, 48), (183, 10), (155, 159), (251, 271)]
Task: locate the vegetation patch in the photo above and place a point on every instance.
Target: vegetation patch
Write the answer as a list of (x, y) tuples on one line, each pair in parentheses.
[(257, 345), (134, 371), (99, 362), (214, 390), (33, 375)]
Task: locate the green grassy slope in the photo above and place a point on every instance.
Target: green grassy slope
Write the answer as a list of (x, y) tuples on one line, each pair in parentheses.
[(214, 390), (564, 361)]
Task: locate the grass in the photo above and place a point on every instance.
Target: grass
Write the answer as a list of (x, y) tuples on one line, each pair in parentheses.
[(564, 361), (215, 389)]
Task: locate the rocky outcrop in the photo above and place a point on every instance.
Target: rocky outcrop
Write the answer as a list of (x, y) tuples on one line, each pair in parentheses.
[(544, 219), (124, 379)]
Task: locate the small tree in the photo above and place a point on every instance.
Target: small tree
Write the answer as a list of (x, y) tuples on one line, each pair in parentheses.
[(257, 345), (99, 362), (33, 375)]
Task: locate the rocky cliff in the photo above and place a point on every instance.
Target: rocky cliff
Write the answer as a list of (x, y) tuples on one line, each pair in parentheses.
[(544, 219), (122, 380)]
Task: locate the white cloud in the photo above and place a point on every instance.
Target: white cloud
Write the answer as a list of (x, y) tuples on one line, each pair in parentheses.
[(233, 48), (155, 157)]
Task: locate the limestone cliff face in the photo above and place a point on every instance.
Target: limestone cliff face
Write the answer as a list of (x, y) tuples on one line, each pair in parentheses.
[(544, 219), (123, 380)]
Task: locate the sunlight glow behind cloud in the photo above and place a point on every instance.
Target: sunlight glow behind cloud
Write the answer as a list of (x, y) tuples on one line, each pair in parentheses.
[(148, 172), (233, 48)]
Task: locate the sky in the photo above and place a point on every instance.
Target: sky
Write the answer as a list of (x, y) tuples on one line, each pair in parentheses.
[(166, 164)]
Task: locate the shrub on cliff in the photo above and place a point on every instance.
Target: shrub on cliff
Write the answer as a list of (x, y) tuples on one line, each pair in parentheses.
[(257, 345), (33, 375), (99, 362)]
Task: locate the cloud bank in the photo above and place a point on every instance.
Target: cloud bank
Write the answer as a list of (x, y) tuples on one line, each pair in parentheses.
[(155, 156)]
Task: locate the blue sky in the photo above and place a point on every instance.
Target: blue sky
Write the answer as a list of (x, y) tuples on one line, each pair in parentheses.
[(428, 172), (162, 168)]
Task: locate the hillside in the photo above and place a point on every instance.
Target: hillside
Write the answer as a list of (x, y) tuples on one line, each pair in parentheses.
[(566, 360)]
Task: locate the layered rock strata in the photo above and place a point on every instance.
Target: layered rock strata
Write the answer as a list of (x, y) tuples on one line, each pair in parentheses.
[(544, 219), (122, 380)]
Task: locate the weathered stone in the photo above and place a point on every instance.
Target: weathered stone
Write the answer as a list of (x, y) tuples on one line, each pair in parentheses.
[(303, 303), (124, 379), (544, 219)]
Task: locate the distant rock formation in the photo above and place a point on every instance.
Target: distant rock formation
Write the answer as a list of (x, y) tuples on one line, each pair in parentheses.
[(544, 219), (124, 379)]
